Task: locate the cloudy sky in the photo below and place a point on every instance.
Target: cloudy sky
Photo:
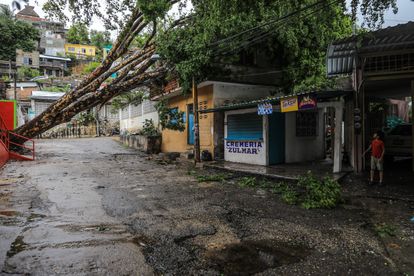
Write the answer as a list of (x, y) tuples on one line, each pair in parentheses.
[(405, 13)]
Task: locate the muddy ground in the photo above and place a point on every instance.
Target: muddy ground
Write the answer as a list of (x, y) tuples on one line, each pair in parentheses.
[(94, 207)]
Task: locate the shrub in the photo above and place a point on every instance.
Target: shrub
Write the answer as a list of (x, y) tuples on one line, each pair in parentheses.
[(149, 129), (319, 194), (247, 182), (91, 67)]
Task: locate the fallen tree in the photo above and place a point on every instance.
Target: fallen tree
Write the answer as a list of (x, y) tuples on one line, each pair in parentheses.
[(133, 67), (132, 62)]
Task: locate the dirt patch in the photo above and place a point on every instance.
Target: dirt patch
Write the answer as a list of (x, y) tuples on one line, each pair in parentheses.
[(250, 257), (8, 213)]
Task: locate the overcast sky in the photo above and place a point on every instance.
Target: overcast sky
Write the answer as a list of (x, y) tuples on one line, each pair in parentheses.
[(405, 13)]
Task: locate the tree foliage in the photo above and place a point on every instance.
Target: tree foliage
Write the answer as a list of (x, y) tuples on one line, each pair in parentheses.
[(15, 35), (135, 68), (299, 43), (78, 34), (26, 73), (99, 38)]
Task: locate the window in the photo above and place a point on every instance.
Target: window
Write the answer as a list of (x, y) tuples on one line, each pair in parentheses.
[(71, 49), (83, 51), (307, 124), (90, 50), (27, 61)]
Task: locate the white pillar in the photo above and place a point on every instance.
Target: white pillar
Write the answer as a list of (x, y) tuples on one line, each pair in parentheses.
[(338, 139)]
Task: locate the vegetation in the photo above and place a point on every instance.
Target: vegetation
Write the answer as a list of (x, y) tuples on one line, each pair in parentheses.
[(25, 73), (298, 45), (170, 118), (124, 100), (149, 129), (385, 230), (90, 67), (319, 194), (65, 88), (86, 118), (245, 182), (212, 178), (193, 42), (15, 35), (309, 192), (78, 34)]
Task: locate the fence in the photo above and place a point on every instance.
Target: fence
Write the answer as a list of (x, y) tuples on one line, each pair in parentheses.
[(71, 131)]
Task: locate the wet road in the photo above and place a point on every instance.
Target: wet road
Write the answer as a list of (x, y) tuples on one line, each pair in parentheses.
[(94, 207), (58, 224)]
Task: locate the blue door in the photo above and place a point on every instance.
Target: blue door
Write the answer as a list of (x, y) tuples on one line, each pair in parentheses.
[(190, 125), (277, 138)]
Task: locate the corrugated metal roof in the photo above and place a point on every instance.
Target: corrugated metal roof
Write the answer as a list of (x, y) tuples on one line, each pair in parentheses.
[(46, 95), (342, 53), (321, 95)]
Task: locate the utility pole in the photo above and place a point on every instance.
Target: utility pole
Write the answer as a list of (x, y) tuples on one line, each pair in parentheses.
[(15, 86), (196, 124)]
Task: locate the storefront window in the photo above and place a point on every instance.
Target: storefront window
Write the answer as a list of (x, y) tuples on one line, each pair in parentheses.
[(307, 124)]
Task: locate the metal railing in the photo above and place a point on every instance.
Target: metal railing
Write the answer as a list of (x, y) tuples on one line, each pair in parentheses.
[(4, 135), (18, 146)]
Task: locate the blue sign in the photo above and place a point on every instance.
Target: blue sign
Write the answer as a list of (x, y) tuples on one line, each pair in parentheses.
[(265, 109)]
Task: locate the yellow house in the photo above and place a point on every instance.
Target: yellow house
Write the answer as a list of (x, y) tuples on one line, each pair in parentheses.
[(183, 142), (80, 51), (210, 95)]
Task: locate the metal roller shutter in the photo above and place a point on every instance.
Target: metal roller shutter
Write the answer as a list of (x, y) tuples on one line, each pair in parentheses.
[(247, 126)]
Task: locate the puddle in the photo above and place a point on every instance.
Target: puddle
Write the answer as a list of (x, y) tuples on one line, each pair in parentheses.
[(252, 257), (16, 247)]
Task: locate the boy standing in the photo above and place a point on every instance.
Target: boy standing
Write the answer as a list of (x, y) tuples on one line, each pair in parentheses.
[(377, 148)]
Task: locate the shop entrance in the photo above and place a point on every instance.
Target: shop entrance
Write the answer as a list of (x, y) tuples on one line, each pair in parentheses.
[(277, 138)]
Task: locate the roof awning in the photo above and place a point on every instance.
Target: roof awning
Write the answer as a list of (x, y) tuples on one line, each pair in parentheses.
[(321, 95), (343, 53)]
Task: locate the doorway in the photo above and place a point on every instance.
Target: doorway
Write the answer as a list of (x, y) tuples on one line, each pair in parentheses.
[(190, 126), (276, 138)]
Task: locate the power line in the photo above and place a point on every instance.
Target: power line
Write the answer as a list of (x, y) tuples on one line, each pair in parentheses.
[(257, 37), (271, 22)]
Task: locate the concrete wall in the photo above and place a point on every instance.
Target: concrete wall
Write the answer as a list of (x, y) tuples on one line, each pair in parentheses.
[(133, 117), (300, 149), (20, 55), (226, 93), (255, 152), (38, 107)]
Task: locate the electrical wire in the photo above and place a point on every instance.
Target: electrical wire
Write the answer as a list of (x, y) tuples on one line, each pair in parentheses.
[(258, 37)]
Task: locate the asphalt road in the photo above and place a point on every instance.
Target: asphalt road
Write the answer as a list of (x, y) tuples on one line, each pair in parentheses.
[(94, 207)]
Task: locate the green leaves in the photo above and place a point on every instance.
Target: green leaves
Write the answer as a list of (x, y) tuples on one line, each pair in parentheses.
[(170, 118), (25, 73), (319, 194), (78, 34), (16, 35), (154, 9), (199, 47)]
